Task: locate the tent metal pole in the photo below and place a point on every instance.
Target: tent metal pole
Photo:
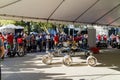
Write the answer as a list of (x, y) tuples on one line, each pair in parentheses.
[(10, 3), (114, 21), (56, 9), (107, 13), (86, 10)]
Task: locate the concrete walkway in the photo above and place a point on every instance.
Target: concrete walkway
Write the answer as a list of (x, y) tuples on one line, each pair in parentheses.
[(30, 67)]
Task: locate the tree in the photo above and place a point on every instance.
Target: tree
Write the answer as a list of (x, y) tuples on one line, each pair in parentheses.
[(5, 22), (21, 23)]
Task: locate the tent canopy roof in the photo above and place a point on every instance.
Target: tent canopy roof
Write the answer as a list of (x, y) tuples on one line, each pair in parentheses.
[(105, 12)]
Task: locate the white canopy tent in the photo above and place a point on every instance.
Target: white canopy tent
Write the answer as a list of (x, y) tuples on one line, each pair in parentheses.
[(105, 12), (10, 28)]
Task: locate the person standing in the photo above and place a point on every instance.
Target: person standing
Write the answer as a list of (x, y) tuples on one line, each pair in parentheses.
[(1, 48), (2, 51), (47, 41), (2, 41), (2, 37), (10, 38), (56, 40)]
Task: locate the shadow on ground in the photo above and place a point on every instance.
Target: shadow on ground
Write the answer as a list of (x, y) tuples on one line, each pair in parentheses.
[(34, 76), (109, 59), (28, 68)]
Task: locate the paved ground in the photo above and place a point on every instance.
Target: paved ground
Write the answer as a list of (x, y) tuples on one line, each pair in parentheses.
[(30, 67)]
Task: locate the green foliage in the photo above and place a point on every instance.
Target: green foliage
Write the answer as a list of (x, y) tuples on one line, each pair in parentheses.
[(77, 25), (5, 22), (22, 23), (40, 26), (34, 26)]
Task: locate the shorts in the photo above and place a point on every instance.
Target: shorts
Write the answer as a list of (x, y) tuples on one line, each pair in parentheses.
[(20, 44)]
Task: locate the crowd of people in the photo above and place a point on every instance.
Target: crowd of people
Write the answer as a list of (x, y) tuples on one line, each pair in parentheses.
[(42, 42), (107, 40), (39, 42)]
